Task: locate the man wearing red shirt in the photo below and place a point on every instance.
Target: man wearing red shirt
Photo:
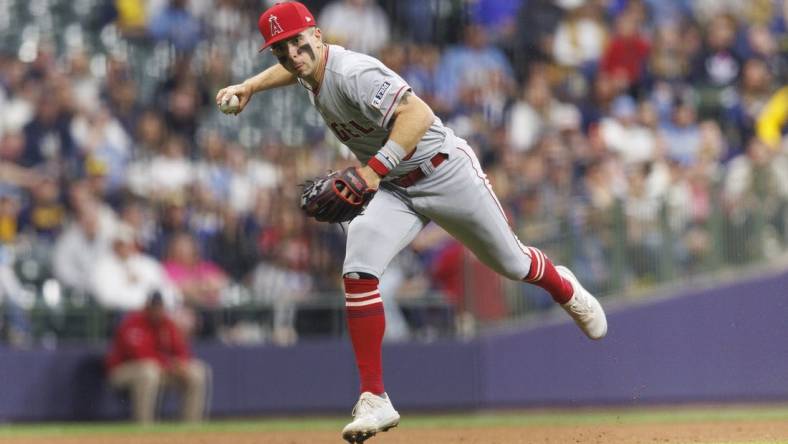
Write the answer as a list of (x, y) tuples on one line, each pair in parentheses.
[(626, 54), (150, 352)]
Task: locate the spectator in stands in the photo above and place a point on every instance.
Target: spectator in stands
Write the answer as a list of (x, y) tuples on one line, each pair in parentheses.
[(690, 203), (666, 12), (468, 66), (215, 72), (403, 278), (644, 233), (602, 185), (205, 219), (48, 136), (667, 60), (15, 178), (211, 170), (97, 178), (755, 192), (762, 44), (682, 135), (86, 87), (627, 52), (280, 283), (76, 250), (181, 111), (101, 137), (360, 25), (81, 194), (751, 95), (9, 216), (12, 147), (718, 65), (123, 105), (249, 175), (44, 215), (122, 277), (132, 18), (150, 353), (19, 92), (536, 113), (176, 25), (421, 71), (227, 22), (537, 21), (707, 11), (200, 281), (149, 134), (772, 123), (167, 174), (625, 135), (580, 39), (597, 106), (15, 299), (137, 214), (497, 17), (234, 247), (172, 219)]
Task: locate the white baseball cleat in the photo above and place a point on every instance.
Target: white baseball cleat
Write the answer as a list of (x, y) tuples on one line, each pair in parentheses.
[(584, 308), (372, 414)]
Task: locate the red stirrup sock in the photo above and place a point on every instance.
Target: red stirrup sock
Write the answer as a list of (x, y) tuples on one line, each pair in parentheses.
[(366, 325), (544, 274)]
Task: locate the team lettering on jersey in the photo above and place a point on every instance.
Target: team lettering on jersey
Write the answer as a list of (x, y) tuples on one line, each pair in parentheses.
[(349, 130)]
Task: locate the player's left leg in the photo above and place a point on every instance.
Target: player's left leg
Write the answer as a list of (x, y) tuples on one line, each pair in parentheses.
[(468, 209)]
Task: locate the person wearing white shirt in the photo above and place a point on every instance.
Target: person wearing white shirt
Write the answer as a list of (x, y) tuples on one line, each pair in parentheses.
[(77, 248), (123, 277), (359, 25)]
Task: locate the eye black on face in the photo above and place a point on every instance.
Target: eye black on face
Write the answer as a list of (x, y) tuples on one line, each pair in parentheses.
[(280, 50)]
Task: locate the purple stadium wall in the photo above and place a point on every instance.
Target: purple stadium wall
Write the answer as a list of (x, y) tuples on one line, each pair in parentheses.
[(721, 344)]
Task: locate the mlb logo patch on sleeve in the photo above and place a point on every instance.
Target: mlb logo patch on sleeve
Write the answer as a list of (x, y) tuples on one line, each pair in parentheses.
[(378, 99)]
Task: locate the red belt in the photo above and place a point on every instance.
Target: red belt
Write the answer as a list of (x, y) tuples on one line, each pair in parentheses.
[(416, 175)]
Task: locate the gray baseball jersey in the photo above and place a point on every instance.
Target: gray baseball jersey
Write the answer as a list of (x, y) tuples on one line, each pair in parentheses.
[(357, 98)]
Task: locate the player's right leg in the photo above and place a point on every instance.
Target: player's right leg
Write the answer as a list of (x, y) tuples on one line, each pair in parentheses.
[(374, 238)]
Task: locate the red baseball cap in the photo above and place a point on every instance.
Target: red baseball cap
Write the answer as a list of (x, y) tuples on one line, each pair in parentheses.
[(282, 21)]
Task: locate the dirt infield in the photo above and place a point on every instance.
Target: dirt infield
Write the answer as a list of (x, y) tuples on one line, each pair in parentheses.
[(768, 431)]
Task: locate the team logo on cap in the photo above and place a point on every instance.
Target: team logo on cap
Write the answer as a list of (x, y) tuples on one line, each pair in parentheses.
[(276, 28)]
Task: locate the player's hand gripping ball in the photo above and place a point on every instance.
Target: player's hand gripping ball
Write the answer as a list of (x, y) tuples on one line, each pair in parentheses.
[(230, 104), (337, 197)]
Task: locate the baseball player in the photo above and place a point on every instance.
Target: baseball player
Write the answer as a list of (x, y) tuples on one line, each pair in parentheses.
[(415, 170)]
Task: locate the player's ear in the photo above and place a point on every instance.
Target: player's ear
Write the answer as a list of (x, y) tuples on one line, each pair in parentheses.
[(317, 33)]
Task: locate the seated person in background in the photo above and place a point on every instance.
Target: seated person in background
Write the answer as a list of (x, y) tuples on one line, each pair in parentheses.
[(200, 281), (84, 240), (122, 277), (44, 215), (148, 353)]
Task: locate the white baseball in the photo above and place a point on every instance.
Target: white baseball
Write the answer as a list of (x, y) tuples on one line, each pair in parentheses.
[(230, 104)]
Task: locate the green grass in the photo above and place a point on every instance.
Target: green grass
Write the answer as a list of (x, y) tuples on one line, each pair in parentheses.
[(419, 420)]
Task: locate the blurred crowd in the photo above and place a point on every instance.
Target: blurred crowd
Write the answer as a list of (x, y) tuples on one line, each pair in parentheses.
[(625, 137)]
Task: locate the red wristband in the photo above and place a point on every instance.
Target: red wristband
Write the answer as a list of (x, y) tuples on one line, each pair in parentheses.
[(377, 166)]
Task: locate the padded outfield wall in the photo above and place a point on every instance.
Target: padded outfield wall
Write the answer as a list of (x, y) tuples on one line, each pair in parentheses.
[(724, 343)]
